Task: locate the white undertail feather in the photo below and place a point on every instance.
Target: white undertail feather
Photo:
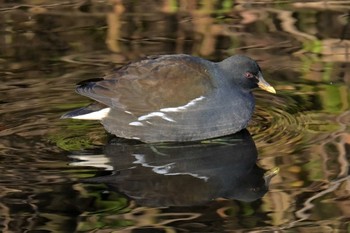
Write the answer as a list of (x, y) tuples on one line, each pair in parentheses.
[(98, 160), (98, 115)]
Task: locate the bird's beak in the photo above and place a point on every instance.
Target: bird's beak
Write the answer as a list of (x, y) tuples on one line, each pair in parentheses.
[(265, 85)]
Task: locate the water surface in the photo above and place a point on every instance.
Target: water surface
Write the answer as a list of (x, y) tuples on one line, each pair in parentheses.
[(70, 176)]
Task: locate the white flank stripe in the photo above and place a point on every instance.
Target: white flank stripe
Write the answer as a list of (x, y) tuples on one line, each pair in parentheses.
[(98, 115), (150, 115), (183, 107), (155, 114), (136, 123), (168, 118)]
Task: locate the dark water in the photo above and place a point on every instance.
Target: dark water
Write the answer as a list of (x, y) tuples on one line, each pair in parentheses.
[(70, 176)]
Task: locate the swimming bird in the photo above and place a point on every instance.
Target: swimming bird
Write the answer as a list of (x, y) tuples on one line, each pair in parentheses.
[(174, 98)]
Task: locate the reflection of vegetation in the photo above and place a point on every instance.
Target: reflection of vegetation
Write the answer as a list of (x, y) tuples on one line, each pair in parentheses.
[(314, 169), (327, 71), (335, 98), (109, 206), (314, 46), (79, 135), (73, 143), (70, 106)]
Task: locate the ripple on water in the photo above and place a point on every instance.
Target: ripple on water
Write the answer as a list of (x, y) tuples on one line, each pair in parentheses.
[(97, 58), (278, 121)]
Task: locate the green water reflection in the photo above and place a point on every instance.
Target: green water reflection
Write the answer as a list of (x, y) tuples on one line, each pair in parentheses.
[(47, 47)]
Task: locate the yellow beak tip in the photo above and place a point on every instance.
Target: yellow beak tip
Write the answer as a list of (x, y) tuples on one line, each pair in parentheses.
[(272, 90), (268, 88)]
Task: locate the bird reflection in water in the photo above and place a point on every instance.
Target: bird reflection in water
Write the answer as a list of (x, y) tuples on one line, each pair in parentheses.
[(184, 174)]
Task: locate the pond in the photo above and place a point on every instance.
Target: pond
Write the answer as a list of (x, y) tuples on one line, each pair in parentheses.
[(287, 172)]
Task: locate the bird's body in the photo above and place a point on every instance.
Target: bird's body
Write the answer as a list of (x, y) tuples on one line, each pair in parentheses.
[(174, 98)]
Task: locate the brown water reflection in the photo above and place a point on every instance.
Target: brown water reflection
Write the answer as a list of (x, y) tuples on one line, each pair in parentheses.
[(46, 47)]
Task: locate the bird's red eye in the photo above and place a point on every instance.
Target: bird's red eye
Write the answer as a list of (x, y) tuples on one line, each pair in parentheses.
[(249, 75)]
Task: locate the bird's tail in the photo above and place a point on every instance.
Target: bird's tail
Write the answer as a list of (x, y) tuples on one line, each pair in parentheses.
[(94, 111)]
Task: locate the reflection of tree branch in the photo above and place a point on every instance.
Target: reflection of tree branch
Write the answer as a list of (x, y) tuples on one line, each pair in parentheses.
[(114, 26), (344, 163), (340, 138), (346, 28), (320, 5), (337, 169), (333, 49), (343, 176), (344, 139), (303, 214), (203, 24), (288, 25), (5, 211), (153, 217)]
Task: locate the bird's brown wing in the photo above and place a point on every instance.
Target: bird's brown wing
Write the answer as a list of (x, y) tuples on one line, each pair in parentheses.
[(152, 83)]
